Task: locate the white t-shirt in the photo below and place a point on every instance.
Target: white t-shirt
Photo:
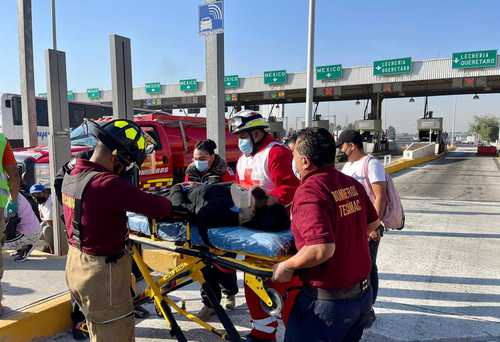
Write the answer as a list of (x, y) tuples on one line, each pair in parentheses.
[(45, 210), (376, 171), (29, 223)]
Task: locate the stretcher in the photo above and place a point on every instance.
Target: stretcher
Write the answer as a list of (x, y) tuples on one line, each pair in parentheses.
[(250, 251)]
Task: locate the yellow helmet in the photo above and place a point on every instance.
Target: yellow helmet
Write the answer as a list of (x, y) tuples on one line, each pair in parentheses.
[(246, 120)]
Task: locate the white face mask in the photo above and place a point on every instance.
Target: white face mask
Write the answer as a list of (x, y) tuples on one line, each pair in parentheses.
[(295, 170)]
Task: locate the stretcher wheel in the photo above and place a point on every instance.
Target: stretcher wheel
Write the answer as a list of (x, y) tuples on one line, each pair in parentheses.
[(275, 309)]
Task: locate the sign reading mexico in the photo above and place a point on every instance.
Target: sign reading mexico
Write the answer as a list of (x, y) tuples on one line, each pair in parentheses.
[(211, 18)]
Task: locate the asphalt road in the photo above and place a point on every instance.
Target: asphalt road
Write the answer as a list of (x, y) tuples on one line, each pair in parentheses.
[(440, 276)]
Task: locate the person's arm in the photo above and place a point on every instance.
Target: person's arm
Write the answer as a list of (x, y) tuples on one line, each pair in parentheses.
[(10, 167), (281, 174), (373, 226), (380, 192), (133, 199), (311, 219)]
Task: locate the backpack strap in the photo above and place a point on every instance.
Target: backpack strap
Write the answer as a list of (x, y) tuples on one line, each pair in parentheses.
[(366, 179)]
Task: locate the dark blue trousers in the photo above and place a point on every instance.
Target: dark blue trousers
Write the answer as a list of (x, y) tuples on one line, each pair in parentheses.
[(328, 320)]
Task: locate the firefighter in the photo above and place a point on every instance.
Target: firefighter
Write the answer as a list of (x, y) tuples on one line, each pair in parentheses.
[(265, 163), (95, 200)]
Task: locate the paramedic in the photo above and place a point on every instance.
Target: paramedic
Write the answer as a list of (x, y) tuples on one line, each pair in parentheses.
[(267, 164), (209, 168), (95, 200), (10, 183), (331, 218)]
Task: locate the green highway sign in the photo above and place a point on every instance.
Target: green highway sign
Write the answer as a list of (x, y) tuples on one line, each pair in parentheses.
[(275, 77), (70, 95), (231, 82), (389, 67), (42, 94), (153, 88), (189, 85), (329, 72), (474, 59), (94, 93)]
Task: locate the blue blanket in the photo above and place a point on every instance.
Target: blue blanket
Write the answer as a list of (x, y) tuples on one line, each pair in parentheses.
[(232, 239)]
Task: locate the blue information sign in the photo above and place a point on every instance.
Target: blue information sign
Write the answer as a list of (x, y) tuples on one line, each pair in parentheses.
[(211, 19)]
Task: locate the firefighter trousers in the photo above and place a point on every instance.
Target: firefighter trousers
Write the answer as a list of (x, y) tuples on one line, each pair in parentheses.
[(102, 290)]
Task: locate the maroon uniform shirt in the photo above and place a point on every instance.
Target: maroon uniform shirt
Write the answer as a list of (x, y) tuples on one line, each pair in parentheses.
[(330, 207), (105, 201)]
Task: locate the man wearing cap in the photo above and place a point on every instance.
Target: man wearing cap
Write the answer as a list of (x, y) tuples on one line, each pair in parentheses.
[(95, 200), (370, 172), (265, 163), (331, 218), (42, 196)]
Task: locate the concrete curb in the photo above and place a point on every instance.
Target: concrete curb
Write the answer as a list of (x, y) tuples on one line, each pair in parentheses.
[(406, 164), (46, 318)]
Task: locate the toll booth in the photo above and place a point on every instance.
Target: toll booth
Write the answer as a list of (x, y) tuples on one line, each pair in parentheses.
[(431, 130), (276, 128), (318, 123), (371, 131)]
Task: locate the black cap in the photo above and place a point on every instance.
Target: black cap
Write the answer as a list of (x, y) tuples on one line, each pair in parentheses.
[(350, 136)]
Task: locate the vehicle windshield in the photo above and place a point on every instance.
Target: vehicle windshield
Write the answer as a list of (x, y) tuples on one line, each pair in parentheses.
[(80, 136)]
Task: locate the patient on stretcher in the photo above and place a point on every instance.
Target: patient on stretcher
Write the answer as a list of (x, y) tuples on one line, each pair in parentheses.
[(265, 231)]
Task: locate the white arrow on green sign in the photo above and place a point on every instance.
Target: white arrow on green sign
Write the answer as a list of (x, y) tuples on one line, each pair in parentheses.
[(153, 88), (474, 59), (231, 82), (94, 93), (275, 77), (188, 85), (389, 67), (329, 72)]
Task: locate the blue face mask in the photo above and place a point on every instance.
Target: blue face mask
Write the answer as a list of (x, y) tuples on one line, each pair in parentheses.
[(245, 145), (201, 165)]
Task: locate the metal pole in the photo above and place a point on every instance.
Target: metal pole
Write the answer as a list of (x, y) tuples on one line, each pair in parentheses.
[(310, 64), (121, 77), (453, 120), (214, 86), (54, 39), (27, 73), (59, 146)]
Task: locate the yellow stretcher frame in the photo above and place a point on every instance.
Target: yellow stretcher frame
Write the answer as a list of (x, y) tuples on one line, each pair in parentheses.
[(256, 270)]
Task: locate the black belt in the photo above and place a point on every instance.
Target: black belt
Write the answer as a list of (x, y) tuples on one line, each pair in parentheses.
[(114, 258), (335, 294)]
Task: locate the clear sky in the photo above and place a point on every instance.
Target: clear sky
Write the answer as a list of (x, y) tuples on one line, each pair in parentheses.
[(259, 35)]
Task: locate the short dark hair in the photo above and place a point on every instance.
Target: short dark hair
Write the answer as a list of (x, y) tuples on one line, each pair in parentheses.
[(291, 139), (208, 146), (318, 145)]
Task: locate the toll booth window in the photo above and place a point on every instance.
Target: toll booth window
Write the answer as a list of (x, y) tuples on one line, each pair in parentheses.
[(152, 136), (42, 113), (17, 112)]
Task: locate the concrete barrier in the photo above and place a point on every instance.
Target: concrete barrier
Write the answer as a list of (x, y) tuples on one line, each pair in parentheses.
[(407, 163), (46, 318), (416, 151)]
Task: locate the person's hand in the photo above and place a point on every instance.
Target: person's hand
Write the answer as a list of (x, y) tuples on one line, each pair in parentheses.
[(281, 273), (375, 235), (11, 208)]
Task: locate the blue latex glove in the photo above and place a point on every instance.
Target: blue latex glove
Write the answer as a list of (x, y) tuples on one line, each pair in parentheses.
[(11, 208)]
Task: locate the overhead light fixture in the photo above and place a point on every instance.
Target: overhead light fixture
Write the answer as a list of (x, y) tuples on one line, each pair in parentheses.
[(411, 100), (357, 102), (475, 97)]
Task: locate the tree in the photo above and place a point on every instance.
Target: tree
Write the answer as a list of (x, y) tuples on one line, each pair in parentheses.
[(486, 126), (391, 133)]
